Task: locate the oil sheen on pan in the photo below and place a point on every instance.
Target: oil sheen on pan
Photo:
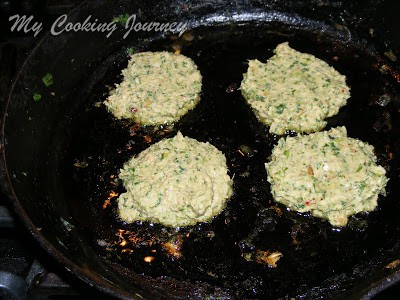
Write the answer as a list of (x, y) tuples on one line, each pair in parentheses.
[(237, 251)]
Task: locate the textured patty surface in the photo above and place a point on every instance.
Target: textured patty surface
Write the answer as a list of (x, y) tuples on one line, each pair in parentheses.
[(327, 173), (294, 91), (157, 88), (175, 182)]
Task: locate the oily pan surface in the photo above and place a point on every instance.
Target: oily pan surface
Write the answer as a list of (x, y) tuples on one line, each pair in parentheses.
[(217, 252), (224, 253)]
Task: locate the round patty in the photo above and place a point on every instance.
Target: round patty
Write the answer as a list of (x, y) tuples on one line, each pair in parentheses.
[(294, 91), (175, 182), (158, 88), (327, 173)]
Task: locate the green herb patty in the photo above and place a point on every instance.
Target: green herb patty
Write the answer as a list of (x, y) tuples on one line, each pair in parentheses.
[(175, 182), (158, 88), (327, 173), (294, 91)]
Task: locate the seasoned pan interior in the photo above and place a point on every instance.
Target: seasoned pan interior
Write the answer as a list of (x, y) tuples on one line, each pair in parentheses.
[(73, 179)]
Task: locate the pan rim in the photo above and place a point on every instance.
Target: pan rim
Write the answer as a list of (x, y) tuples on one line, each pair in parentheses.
[(8, 190), (101, 284)]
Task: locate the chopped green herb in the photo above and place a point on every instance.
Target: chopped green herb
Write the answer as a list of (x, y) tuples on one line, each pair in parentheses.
[(121, 19), (334, 148), (361, 186), (247, 256), (130, 51), (280, 108), (37, 97), (48, 79), (287, 153)]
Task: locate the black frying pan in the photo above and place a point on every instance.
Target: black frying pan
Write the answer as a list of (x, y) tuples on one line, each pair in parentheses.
[(61, 155)]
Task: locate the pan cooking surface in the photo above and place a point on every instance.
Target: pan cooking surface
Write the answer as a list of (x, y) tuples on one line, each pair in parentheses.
[(223, 252)]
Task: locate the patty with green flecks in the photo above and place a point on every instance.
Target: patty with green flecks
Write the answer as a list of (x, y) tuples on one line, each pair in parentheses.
[(326, 173), (175, 182), (157, 88), (294, 91)]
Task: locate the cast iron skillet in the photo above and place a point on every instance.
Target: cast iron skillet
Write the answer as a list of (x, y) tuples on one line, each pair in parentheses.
[(61, 156)]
